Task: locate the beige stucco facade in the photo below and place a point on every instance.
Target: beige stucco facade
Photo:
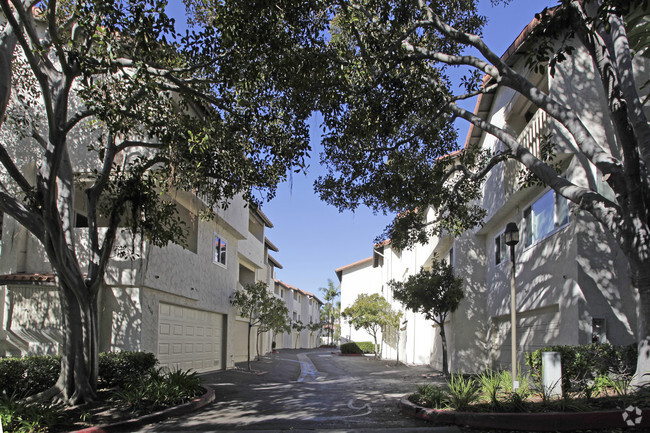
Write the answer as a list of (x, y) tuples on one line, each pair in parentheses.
[(572, 280)]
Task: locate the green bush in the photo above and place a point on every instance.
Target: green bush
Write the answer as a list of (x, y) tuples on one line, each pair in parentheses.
[(160, 389), (29, 375), (366, 346), (19, 417), (463, 391), (351, 348), (581, 365), (120, 368), (429, 396)]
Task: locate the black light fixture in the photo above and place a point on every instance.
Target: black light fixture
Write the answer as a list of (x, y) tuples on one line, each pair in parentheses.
[(511, 234)]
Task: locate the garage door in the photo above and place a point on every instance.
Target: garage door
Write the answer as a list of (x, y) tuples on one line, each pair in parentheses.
[(189, 338), (535, 329)]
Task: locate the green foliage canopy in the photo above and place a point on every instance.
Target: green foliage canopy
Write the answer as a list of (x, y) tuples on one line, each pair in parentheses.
[(434, 292)]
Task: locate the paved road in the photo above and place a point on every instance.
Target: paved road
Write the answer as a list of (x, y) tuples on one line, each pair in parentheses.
[(309, 390)]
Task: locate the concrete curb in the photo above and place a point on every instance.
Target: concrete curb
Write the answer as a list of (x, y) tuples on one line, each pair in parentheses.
[(548, 421), (150, 418)]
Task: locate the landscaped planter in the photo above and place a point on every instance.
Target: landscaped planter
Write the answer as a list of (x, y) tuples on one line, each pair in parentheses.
[(542, 421)]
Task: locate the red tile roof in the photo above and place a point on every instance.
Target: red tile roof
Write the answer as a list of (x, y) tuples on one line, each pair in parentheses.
[(290, 287), (25, 278)]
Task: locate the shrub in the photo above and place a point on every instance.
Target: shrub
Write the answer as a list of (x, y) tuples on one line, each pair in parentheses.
[(491, 384), (462, 391), (30, 375), (581, 365), (366, 346), (429, 396), (19, 417), (121, 368), (351, 348), (159, 390)]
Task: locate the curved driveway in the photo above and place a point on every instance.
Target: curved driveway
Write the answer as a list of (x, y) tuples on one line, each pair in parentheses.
[(308, 390)]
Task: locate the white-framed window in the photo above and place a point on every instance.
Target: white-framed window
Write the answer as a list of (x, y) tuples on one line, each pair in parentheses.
[(544, 217), (219, 250), (500, 249)]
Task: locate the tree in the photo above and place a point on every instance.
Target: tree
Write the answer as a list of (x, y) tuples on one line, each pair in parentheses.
[(106, 98), (435, 293), (329, 294), (261, 309), (314, 327), (298, 326), (273, 319), (390, 141), (368, 312)]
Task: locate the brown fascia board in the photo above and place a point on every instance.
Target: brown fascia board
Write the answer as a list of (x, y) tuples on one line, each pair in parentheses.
[(484, 101), (271, 245), (275, 262), (262, 216), (339, 271)]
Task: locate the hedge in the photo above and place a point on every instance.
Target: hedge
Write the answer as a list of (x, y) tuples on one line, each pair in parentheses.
[(29, 375), (351, 348), (582, 364), (120, 368), (33, 374), (366, 346)]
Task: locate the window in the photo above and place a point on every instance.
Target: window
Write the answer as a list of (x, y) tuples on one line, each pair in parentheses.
[(500, 249), (282, 293), (295, 316), (219, 250), (598, 331), (545, 216)]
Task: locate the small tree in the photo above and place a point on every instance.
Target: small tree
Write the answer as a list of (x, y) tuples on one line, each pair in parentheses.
[(314, 327), (434, 293), (256, 303), (298, 326), (274, 319), (368, 312), (329, 294)]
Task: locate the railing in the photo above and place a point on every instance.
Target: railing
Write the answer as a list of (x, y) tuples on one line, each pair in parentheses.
[(533, 134), (531, 138)]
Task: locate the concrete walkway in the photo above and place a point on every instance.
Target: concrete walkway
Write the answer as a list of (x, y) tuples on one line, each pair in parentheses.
[(308, 391)]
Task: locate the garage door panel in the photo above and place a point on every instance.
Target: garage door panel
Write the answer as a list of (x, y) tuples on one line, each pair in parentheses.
[(189, 338), (535, 329)]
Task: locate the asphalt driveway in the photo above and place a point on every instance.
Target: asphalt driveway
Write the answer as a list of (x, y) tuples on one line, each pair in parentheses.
[(308, 390)]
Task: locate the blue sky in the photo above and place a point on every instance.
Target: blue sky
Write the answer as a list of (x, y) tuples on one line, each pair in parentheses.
[(314, 238)]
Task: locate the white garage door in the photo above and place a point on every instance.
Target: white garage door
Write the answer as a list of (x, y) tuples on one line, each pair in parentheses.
[(535, 329), (189, 338)]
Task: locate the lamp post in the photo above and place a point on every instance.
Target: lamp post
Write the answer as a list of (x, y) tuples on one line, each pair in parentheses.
[(511, 237)]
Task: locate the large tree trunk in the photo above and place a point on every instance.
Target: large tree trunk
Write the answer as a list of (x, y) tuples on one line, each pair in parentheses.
[(77, 381), (641, 281)]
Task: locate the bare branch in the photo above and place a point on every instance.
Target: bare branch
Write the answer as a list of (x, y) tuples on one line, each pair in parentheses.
[(11, 206), (15, 173), (420, 53)]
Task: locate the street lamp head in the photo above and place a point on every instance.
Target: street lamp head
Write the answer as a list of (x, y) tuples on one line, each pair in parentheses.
[(511, 234)]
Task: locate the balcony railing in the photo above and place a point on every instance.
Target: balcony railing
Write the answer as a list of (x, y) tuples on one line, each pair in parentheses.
[(533, 134), (531, 138)]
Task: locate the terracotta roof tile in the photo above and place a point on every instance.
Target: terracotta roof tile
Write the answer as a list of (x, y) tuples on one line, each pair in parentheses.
[(28, 278)]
